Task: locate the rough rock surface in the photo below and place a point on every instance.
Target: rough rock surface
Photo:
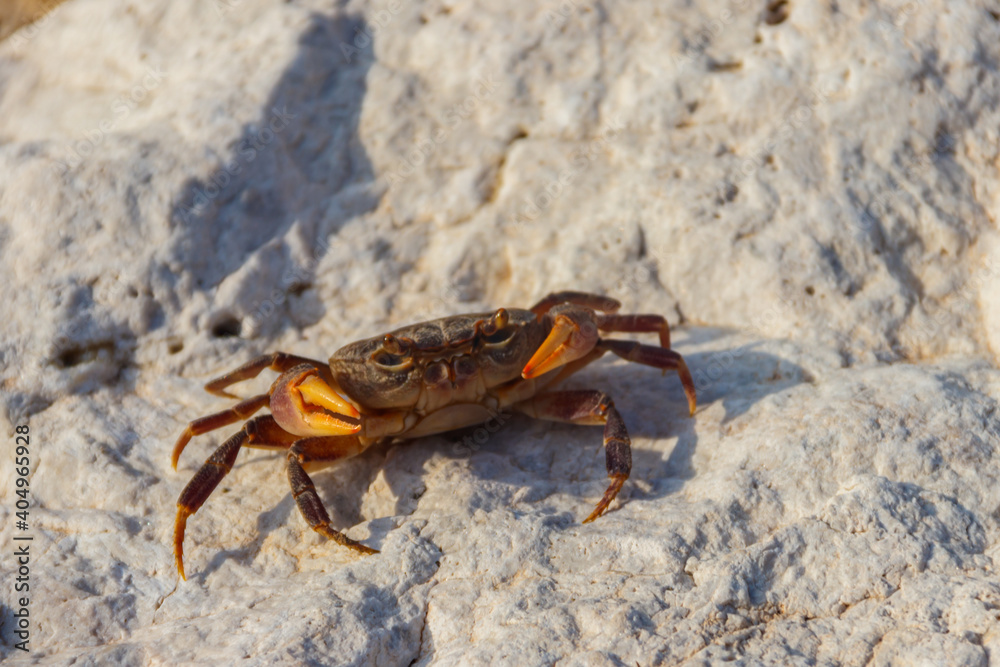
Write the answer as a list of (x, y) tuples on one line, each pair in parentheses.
[(809, 192)]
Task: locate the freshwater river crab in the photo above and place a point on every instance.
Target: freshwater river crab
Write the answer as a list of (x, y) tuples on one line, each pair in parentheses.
[(423, 379)]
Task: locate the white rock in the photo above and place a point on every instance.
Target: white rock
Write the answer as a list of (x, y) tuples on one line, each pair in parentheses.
[(811, 192)]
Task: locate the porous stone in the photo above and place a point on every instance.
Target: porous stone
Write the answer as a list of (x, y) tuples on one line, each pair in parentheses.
[(809, 193)]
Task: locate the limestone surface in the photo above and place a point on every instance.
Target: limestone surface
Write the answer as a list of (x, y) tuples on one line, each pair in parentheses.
[(808, 191)]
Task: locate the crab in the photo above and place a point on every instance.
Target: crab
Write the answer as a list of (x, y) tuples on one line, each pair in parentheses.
[(424, 379)]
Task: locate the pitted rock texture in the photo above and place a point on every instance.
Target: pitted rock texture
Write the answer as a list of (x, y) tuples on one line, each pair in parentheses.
[(808, 191)]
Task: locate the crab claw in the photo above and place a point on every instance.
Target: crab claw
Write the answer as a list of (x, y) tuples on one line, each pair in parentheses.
[(317, 392), (573, 335), (303, 404)]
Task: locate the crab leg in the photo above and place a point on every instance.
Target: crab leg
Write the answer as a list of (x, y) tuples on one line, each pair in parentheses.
[(594, 301), (589, 406), (277, 361), (656, 357), (306, 453), (636, 323), (238, 412), (262, 432)]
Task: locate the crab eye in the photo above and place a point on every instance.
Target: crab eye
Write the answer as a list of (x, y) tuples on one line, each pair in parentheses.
[(393, 353), (387, 360), (393, 345), (496, 331)]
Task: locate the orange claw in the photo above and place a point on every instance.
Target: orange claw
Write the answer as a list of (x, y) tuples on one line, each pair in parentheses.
[(565, 343), (317, 392), (303, 404)]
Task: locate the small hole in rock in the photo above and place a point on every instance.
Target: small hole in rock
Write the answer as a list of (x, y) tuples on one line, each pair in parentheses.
[(83, 354), (175, 346), (226, 328), (809, 290), (728, 66), (298, 288), (776, 12), (71, 357)]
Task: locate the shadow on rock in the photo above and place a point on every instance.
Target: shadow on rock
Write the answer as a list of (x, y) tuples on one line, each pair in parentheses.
[(341, 487), (300, 162), (738, 377), (255, 227)]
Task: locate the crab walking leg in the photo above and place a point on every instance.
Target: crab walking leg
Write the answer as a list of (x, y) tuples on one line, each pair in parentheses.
[(262, 432), (594, 301), (307, 453), (656, 357), (636, 323), (276, 361), (239, 412), (590, 406)]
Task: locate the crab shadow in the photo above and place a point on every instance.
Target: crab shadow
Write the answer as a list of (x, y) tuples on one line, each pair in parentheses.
[(341, 488), (738, 378), (301, 162)]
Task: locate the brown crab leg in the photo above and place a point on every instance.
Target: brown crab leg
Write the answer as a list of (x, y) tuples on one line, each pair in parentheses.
[(656, 357), (305, 453), (590, 406), (636, 323), (594, 301), (277, 361), (238, 412), (261, 432)]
